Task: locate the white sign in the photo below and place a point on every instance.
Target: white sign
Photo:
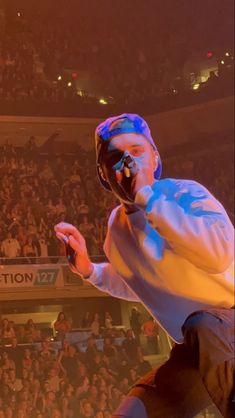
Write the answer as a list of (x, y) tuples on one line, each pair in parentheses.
[(22, 276)]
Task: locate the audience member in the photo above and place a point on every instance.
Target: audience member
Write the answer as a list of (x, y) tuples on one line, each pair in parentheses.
[(62, 325), (151, 331), (95, 326), (135, 322), (29, 200)]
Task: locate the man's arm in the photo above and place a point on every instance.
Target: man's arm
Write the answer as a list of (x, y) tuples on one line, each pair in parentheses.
[(102, 275), (105, 278), (193, 222)]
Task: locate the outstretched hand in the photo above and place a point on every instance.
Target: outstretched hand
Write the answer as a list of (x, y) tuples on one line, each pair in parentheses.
[(76, 249)]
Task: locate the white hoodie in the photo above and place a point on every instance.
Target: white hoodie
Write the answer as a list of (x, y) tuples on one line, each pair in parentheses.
[(175, 255)]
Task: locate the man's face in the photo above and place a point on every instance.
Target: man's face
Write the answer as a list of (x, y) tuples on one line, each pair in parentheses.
[(144, 156)]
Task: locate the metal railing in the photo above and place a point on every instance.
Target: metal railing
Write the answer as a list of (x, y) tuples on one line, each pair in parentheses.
[(55, 259)]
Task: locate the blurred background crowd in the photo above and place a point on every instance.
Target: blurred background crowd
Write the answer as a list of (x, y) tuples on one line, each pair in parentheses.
[(38, 190), (46, 376), (120, 53)]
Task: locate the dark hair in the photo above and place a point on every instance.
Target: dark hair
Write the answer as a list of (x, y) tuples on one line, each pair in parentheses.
[(59, 314)]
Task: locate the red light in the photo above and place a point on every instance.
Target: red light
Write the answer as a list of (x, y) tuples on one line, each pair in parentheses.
[(209, 54), (74, 75)]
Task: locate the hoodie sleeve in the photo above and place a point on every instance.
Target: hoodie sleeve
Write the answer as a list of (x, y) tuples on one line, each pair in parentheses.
[(105, 278), (193, 222)]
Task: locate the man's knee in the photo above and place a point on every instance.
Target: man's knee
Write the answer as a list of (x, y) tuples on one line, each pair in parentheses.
[(132, 407), (200, 323)]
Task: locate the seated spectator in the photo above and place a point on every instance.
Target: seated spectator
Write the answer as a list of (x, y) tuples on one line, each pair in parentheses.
[(95, 326), (86, 227), (69, 364), (86, 320), (7, 331), (114, 400), (30, 249), (10, 247), (91, 350), (99, 414), (130, 346), (43, 245), (6, 362), (24, 375), (124, 385), (27, 360), (86, 410), (102, 403), (56, 413), (53, 380), (111, 364), (46, 354), (92, 396), (142, 366), (22, 236), (14, 353), (109, 348), (94, 243), (50, 403), (2, 413), (32, 333), (64, 348), (123, 363), (83, 387), (37, 370), (108, 321), (83, 209), (132, 376), (96, 363), (14, 383), (60, 208), (69, 400)]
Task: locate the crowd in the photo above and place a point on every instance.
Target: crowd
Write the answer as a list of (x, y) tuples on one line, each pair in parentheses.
[(38, 191), (68, 383), (41, 379), (98, 325), (126, 60)]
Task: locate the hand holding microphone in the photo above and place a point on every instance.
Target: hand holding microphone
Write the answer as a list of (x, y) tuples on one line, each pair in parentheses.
[(130, 168), (126, 174)]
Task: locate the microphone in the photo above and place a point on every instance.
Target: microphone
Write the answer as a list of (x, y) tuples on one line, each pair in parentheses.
[(129, 166), (70, 252)]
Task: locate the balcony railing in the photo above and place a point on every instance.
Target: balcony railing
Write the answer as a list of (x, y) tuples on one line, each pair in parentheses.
[(43, 260)]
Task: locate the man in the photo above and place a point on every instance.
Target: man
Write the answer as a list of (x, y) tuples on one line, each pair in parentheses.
[(135, 322), (15, 354), (170, 246), (143, 366), (10, 247), (14, 383), (130, 346)]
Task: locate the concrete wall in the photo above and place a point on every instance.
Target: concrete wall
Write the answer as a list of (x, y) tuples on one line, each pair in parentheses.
[(191, 123), (168, 128)]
